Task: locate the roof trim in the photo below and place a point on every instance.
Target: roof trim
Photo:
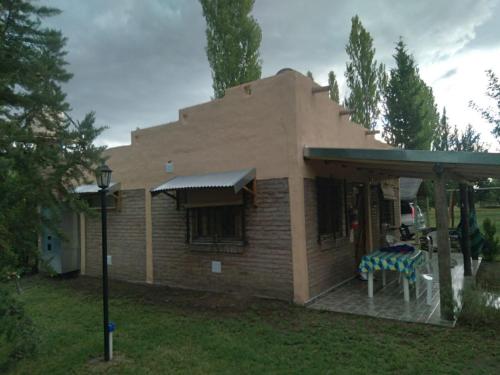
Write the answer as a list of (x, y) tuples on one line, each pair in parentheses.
[(419, 156), (231, 179), (412, 163)]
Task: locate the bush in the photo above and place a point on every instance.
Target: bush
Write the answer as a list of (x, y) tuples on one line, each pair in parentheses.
[(17, 336), (491, 248), (478, 309)]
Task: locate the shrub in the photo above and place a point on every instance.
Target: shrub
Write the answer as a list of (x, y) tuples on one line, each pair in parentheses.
[(478, 308), (17, 336), (491, 248)]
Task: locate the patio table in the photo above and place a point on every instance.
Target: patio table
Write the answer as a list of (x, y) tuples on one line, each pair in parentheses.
[(407, 263)]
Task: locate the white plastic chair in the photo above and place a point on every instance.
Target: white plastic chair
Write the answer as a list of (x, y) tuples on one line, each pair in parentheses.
[(427, 277)]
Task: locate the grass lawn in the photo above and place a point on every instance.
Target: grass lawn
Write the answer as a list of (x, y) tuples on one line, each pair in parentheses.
[(162, 331), (481, 212)]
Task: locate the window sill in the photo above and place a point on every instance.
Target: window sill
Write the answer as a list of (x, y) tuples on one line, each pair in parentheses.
[(209, 243), (235, 247), (330, 243)]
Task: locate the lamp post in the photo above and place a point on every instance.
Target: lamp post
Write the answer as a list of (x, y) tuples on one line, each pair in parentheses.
[(103, 178)]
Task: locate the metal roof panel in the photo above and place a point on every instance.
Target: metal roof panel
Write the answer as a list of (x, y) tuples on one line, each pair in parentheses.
[(231, 179), (93, 188)]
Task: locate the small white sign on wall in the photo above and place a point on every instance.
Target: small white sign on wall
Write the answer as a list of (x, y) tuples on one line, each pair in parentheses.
[(169, 166), (109, 260), (216, 266)]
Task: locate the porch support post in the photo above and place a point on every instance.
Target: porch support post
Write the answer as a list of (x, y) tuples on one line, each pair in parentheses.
[(368, 217), (443, 242), (470, 193), (464, 216)]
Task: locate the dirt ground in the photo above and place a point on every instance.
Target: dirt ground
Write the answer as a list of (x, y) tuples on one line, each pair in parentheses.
[(180, 298)]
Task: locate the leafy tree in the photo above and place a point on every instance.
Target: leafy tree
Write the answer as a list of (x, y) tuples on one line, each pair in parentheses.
[(310, 75), (492, 246), (442, 137), (411, 115), (233, 40), (363, 74), (334, 87), (469, 140), (43, 153), (492, 115)]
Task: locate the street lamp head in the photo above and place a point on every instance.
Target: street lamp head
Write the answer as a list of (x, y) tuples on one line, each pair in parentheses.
[(103, 176)]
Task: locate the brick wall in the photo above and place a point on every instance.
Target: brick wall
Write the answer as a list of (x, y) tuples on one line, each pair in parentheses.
[(329, 261), (126, 239), (263, 267)]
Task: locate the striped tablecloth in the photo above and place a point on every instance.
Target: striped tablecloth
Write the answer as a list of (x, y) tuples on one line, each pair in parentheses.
[(404, 262)]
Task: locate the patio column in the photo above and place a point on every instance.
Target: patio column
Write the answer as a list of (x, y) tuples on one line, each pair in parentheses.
[(368, 217), (470, 194), (443, 242), (464, 216)]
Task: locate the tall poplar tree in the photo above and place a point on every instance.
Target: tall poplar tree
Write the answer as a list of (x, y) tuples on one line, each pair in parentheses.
[(233, 41), (334, 87), (443, 132), (411, 115), (363, 75)]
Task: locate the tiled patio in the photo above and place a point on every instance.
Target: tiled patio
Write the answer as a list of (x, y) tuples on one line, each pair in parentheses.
[(388, 303)]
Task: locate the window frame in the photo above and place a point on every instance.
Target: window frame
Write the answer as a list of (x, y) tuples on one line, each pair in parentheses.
[(331, 206), (387, 208)]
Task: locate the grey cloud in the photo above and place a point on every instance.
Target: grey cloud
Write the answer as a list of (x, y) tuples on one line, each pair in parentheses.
[(137, 62), (449, 73)]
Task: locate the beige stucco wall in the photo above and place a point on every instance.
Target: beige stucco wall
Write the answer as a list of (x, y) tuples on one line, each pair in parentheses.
[(263, 124), (266, 129), (236, 132)]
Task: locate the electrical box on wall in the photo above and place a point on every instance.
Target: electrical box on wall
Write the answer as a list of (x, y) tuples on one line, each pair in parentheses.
[(216, 266), (169, 166)]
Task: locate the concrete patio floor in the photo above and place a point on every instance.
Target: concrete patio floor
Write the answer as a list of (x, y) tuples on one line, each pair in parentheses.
[(352, 297)]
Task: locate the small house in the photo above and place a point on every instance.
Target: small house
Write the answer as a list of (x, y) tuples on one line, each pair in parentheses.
[(227, 198)]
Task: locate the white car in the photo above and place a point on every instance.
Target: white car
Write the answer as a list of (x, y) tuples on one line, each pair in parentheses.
[(412, 216)]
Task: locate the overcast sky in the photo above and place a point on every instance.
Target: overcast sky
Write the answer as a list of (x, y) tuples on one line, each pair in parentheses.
[(137, 62)]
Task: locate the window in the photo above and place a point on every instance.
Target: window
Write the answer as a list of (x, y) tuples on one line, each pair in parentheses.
[(387, 212), (217, 224), (331, 207)]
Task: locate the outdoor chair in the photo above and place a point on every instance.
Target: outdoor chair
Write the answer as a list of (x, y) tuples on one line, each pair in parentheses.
[(426, 276), (404, 230)]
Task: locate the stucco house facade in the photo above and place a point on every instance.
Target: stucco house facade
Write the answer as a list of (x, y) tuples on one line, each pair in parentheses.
[(224, 199)]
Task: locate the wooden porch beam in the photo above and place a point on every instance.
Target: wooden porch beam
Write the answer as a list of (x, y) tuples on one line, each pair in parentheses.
[(470, 194), (443, 242), (368, 218), (464, 215)]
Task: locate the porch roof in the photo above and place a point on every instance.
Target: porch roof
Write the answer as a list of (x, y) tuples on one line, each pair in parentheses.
[(469, 166)]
